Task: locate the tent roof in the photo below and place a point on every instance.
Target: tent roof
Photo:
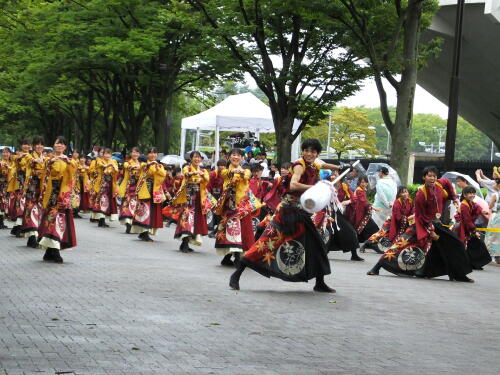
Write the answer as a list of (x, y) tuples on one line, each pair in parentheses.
[(239, 113)]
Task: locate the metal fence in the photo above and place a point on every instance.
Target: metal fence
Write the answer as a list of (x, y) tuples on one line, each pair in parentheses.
[(468, 167)]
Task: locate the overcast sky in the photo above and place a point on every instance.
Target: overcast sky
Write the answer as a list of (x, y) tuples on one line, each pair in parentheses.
[(368, 97)]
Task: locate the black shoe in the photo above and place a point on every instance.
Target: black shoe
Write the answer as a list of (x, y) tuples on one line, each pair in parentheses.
[(93, 220), (102, 223), (57, 256), (76, 215), (226, 261), (167, 224), (32, 242), (323, 288), (129, 228), (185, 246), (48, 256), (16, 231), (234, 281), (2, 224), (145, 237), (357, 258), (211, 235), (375, 270)]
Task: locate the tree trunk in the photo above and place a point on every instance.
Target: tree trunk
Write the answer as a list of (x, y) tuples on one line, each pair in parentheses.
[(168, 124), (159, 123), (401, 133), (89, 123), (283, 120)]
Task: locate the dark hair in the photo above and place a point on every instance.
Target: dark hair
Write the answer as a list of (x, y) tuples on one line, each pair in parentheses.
[(497, 180), (235, 151), (151, 150), (168, 167), (107, 150), (24, 141), (136, 149), (286, 165), (194, 153), (430, 169), (460, 178), (467, 190), (384, 170), (256, 167), (7, 149), (38, 141), (256, 143), (61, 139), (78, 152), (401, 189), (222, 163), (176, 171), (312, 143), (362, 178)]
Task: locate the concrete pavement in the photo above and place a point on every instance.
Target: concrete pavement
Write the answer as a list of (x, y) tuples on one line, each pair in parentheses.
[(121, 306)]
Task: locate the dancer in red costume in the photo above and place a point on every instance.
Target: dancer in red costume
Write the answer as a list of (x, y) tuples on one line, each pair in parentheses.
[(57, 229), (290, 247), (427, 248), (465, 228)]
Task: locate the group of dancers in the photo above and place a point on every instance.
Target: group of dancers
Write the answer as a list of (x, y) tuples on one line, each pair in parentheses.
[(42, 193)]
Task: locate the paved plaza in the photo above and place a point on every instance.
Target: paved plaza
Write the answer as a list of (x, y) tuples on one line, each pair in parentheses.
[(122, 306)]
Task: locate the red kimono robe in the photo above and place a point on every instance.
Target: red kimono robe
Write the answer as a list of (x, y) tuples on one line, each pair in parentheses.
[(466, 219), (216, 184), (466, 230), (396, 225), (415, 253), (344, 193), (362, 209), (168, 185), (290, 247), (258, 187), (277, 192), (399, 218)]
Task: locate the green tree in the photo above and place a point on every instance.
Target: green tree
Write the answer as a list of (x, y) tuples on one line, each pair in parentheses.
[(351, 131), (386, 34), (291, 50), (104, 70)]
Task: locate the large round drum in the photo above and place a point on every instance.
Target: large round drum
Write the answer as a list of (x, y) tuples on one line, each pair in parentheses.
[(317, 197)]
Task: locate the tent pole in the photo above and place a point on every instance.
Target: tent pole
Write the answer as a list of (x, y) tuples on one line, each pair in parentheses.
[(197, 143), (217, 141), (183, 142)]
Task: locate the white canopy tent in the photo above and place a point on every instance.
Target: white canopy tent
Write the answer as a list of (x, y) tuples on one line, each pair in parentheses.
[(236, 113)]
